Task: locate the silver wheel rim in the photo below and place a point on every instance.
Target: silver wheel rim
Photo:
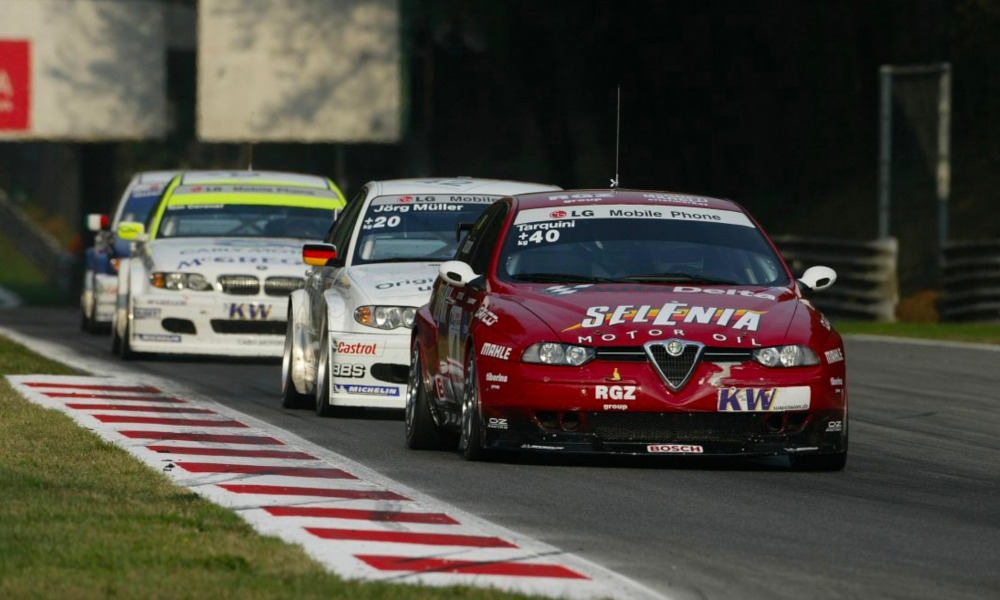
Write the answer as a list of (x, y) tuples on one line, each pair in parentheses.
[(469, 399), (411, 390), (286, 362), (322, 383)]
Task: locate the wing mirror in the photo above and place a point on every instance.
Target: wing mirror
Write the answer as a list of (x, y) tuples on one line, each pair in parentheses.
[(97, 222), (319, 255), (818, 278), (457, 273), (132, 231)]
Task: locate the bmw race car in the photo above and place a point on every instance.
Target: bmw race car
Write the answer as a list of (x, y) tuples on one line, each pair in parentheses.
[(348, 334), (626, 322), (213, 271), (100, 278)]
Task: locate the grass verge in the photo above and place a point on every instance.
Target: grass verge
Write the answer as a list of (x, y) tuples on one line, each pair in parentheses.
[(22, 277), (982, 333), (81, 518)]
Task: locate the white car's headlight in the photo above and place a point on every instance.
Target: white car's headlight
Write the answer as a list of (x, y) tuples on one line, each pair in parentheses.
[(386, 317), (786, 356), (180, 281), (554, 353)]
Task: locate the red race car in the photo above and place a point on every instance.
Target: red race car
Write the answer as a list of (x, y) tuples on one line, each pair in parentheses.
[(620, 321)]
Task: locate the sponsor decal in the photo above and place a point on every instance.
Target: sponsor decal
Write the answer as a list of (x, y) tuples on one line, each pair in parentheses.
[(615, 392), (678, 199), (424, 281), (15, 85), (366, 390), (540, 447), (686, 289), (159, 337), (632, 211), (565, 290), (763, 399), (674, 449), (488, 317), (167, 302), (568, 198), (834, 426), (616, 376), (347, 370), (146, 313), (836, 381), (495, 351), (670, 313), (358, 348), (834, 356), (495, 423), (824, 321), (248, 311), (616, 407), (496, 377)]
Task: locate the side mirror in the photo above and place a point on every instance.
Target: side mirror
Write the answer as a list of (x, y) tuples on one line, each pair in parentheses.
[(131, 231), (97, 222), (319, 255), (457, 273), (818, 278)]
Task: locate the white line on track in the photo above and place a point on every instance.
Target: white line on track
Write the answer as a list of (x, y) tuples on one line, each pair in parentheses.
[(356, 521)]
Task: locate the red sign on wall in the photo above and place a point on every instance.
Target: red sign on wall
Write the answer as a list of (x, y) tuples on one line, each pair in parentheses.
[(15, 85)]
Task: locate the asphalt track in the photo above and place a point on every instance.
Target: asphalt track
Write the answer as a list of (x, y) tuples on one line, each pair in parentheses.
[(916, 513)]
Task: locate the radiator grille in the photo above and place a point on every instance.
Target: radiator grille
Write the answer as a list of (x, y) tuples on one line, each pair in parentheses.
[(675, 427), (282, 286), (240, 285), (674, 370)]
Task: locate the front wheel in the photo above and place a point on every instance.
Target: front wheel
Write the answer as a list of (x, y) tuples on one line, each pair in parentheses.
[(470, 444), (421, 431), (290, 397)]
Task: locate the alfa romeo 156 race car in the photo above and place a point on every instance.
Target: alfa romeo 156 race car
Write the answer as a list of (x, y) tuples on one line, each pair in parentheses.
[(212, 272), (100, 278), (347, 342), (626, 322)]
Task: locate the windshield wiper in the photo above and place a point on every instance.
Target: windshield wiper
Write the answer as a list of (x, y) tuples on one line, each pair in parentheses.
[(678, 277), (562, 278)]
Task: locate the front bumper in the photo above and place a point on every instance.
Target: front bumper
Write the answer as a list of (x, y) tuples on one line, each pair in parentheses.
[(105, 296), (369, 369), (208, 323)]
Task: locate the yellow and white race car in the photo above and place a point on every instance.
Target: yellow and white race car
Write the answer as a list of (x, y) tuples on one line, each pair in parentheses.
[(215, 262)]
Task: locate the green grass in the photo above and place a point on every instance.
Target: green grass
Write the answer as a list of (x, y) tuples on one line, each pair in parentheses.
[(80, 518), (22, 277), (983, 333)]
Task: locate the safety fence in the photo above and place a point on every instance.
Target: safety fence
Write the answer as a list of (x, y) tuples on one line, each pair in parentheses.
[(38, 246), (867, 286), (971, 281)]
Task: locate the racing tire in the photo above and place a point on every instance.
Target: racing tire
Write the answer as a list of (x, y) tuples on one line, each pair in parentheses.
[(422, 433), (322, 403), (116, 340), (470, 442), (819, 462), (125, 347), (290, 397)]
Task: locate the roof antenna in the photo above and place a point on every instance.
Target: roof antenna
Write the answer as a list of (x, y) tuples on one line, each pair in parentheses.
[(618, 136), (249, 156)]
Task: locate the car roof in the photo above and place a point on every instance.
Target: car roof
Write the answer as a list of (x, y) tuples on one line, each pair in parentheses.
[(620, 196), (254, 177), (457, 185), (155, 176)]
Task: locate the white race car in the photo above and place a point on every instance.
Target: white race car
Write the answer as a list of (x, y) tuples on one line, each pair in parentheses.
[(348, 336), (100, 278), (221, 255)]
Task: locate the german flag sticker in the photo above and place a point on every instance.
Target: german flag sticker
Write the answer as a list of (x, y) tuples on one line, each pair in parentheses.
[(318, 255)]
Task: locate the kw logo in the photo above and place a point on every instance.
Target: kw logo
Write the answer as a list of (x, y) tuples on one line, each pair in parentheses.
[(252, 312), (753, 399)]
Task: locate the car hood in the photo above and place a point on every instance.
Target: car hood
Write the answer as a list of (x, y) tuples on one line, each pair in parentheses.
[(614, 314), (402, 284), (219, 256)]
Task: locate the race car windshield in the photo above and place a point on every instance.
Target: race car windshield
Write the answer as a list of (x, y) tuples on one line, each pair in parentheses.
[(415, 228), (244, 220), (638, 244), (140, 204)]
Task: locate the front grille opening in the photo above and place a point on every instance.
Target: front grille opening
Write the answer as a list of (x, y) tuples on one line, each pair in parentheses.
[(775, 422), (677, 427), (796, 422), (282, 286), (225, 327), (239, 285), (391, 373), (570, 421), (179, 326), (548, 419)]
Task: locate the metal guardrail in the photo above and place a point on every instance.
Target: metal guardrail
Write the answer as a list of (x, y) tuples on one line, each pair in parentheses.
[(867, 286), (38, 246), (971, 281)]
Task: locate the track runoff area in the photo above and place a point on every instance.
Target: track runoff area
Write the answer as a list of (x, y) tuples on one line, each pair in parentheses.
[(356, 522)]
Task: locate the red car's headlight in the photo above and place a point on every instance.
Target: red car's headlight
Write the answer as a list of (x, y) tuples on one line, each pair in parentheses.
[(554, 353)]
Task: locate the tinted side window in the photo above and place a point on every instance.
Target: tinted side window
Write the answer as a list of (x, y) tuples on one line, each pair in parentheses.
[(483, 248), (468, 245), (340, 232)]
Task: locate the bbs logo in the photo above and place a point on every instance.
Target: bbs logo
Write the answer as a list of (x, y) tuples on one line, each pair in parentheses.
[(347, 370)]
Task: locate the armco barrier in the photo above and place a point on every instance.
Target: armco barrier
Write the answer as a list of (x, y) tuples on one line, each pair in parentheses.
[(38, 245), (867, 286), (971, 281)]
